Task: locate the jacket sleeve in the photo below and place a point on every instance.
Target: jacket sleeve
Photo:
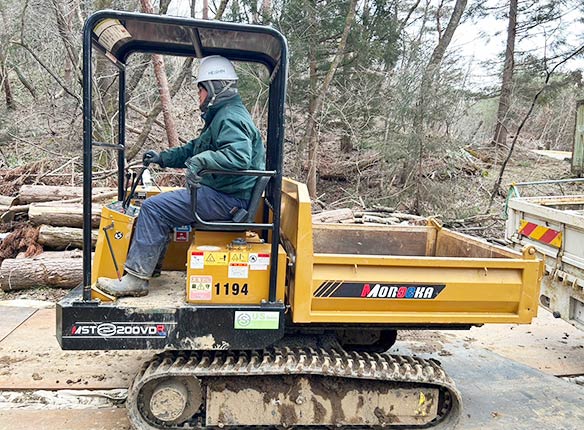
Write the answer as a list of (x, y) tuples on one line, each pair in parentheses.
[(176, 157), (233, 148)]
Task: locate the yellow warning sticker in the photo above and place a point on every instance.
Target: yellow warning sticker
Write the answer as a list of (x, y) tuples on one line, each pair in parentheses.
[(216, 258), (238, 257)]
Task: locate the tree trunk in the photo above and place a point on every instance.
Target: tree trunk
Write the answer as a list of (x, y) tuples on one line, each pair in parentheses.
[(10, 104), (165, 98), (310, 136), (221, 10), (8, 201), (27, 84), (66, 215), (426, 86), (205, 9), (309, 139), (346, 145), (63, 237), (20, 273), (164, 6), (133, 150), (48, 255), (500, 137)]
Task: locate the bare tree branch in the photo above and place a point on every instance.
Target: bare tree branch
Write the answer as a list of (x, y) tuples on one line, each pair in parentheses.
[(48, 70)]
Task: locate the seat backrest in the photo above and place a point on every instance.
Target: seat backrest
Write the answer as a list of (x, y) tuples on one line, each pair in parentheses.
[(248, 216)]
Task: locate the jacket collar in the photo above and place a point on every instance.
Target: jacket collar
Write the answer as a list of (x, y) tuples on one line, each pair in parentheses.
[(212, 111)]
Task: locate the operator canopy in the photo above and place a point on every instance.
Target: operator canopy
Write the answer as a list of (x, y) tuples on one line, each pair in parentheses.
[(121, 33)]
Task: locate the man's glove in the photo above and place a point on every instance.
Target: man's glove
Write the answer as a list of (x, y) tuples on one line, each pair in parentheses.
[(151, 157), (192, 173), (193, 180)]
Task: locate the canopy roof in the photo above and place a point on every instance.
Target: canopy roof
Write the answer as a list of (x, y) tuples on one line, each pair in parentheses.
[(121, 33)]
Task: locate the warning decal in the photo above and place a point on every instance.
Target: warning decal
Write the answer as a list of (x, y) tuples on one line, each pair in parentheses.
[(238, 257), (110, 32), (540, 233), (200, 288), (216, 258), (259, 261), (197, 260), (238, 270)]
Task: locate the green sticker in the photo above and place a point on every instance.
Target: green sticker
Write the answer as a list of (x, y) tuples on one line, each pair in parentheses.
[(257, 320)]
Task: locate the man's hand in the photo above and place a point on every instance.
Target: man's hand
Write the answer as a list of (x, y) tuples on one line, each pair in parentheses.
[(192, 172), (193, 180), (151, 157)]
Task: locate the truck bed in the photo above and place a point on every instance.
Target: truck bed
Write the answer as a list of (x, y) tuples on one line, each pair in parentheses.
[(554, 226)]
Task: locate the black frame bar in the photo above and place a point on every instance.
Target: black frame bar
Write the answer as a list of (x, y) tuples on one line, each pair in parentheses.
[(278, 68)]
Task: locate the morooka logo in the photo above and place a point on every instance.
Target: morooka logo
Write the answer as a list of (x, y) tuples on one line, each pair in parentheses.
[(401, 292)]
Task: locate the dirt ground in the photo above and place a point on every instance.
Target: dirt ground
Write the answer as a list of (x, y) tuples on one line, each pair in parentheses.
[(549, 345)]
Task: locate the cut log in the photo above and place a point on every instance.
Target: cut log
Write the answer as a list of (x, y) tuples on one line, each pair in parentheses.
[(17, 274), (7, 213), (8, 201), (408, 217), (74, 253), (47, 193), (66, 215), (335, 215), (63, 237)]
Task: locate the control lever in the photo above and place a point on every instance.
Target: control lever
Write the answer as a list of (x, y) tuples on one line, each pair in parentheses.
[(128, 198)]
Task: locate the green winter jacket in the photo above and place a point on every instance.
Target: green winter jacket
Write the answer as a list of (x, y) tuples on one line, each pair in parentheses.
[(229, 141)]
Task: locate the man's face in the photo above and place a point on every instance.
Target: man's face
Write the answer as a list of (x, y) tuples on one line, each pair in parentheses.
[(202, 95)]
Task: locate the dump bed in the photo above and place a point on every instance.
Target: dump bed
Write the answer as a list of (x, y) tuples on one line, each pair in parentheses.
[(402, 275), (554, 225)]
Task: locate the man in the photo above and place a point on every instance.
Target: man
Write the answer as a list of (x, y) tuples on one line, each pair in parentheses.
[(229, 141)]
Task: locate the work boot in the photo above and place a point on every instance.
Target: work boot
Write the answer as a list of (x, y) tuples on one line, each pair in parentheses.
[(130, 285)]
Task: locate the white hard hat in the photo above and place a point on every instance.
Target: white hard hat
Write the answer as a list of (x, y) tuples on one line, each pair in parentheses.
[(216, 68)]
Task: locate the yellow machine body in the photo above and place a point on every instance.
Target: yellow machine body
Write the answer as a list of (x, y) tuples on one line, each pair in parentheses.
[(119, 228), (348, 273), (220, 272)]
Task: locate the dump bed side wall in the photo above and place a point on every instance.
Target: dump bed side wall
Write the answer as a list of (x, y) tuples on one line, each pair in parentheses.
[(563, 285), (349, 285)]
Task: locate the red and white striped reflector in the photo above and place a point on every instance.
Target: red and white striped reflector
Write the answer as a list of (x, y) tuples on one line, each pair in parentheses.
[(541, 234)]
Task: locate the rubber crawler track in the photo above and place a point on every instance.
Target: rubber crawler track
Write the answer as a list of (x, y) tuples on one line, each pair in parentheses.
[(295, 361)]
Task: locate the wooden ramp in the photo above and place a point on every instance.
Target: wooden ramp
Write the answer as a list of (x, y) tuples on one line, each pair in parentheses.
[(11, 317), (31, 359)]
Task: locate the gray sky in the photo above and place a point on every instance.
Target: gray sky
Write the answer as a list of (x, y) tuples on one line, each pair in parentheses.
[(484, 40)]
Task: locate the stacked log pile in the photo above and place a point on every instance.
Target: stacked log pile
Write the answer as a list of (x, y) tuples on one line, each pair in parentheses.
[(375, 216), (44, 248)]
